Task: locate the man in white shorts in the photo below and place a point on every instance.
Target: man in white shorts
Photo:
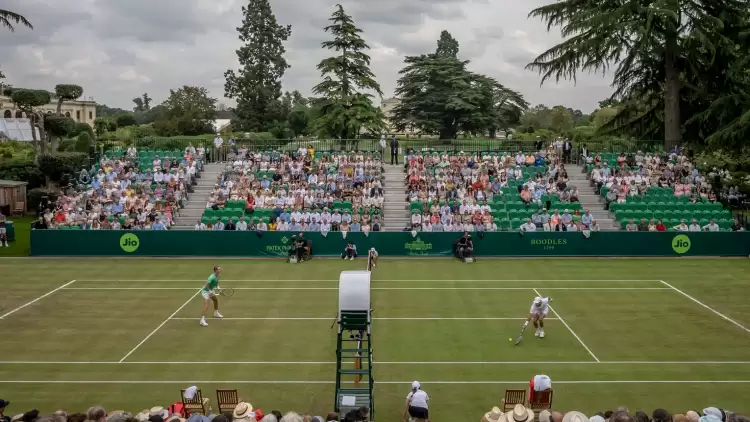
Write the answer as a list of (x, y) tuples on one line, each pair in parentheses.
[(537, 313)]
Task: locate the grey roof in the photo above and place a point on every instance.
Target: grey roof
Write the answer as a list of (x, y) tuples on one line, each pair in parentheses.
[(12, 183)]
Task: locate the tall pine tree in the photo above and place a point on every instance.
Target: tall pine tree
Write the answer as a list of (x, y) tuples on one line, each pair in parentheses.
[(257, 85), (440, 96), (345, 108)]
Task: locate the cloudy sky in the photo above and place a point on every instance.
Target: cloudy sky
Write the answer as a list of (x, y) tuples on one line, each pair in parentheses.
[(117, 49)]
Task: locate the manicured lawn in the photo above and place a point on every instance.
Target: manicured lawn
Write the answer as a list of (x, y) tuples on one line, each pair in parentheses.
[(125, 333), (20, 246)]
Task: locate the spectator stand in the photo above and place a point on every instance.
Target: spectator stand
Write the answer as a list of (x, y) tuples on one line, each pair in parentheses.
[(658, 188), (303, 191), (487, 190), (126, 189)]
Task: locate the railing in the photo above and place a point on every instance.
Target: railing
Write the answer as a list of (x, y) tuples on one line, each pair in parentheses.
[(417, 144)]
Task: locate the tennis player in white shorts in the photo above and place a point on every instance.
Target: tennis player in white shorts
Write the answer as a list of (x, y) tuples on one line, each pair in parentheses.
[(537, 313)]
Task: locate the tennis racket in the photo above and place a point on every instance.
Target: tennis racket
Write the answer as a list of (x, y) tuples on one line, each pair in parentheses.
[(227, 292), (520, 337)]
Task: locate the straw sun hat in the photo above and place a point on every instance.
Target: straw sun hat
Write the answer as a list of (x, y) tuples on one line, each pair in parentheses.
[(494, 415), (520, 414)]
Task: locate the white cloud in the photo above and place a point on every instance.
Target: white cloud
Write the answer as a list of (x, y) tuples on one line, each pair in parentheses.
[(119, 49)]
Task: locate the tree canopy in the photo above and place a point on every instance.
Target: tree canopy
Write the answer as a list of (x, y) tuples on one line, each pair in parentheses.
[(8, 19), (667, 58), (439, 95), (346, 105), (187, 111), (257, 85)]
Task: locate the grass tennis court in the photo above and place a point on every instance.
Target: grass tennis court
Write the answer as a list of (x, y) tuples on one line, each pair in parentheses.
[(124, 333)]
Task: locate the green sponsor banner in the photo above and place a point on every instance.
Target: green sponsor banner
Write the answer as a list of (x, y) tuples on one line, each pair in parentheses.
[(10, 231), (275, 244)]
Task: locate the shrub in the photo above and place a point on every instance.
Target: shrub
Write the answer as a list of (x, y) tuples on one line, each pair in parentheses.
[(53, 167), (83, 143), (144, 131), (83, 128), (59, 125), (35, 196), (67, 145), (22, 171), (125, 120)]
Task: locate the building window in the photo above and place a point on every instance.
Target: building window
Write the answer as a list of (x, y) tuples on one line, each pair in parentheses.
[(67, 114), (8, 114), (49, 112), (91, 115), (78, 115), (19, 114)]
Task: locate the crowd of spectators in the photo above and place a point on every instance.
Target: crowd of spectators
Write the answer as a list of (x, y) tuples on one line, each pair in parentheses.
[(243, 412), (633, 177), (466, 191), (633, 174), (298, 191), (129, 190), (522, 414)]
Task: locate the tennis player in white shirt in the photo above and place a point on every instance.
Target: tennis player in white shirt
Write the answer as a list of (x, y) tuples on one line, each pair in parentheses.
[(417, 404), (537, 313)]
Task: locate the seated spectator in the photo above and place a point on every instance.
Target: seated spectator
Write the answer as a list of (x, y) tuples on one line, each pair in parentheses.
[(528, 226), (682, 227), (631, 226)]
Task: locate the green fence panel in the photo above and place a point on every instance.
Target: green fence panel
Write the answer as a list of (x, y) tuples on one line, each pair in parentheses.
[(10, 230), (275, 244)]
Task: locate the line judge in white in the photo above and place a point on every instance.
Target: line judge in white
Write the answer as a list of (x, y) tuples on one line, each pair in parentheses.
[(537, 313), (417, 403)]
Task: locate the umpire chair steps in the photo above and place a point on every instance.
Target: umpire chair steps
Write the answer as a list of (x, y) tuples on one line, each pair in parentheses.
[(354, 364)]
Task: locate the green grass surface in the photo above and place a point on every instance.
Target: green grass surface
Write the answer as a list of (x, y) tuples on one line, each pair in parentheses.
[(21, 246), (437, 321)]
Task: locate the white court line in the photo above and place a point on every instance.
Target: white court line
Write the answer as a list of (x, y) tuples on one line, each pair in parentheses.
[(726, 318), (374, 318), (336, 280), (571, 330), (189, 382), (378, 288), (562, 363), (37, 299), (160, 325)]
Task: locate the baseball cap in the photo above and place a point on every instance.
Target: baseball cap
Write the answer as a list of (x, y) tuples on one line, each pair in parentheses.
[(4, 403), (416, 385)]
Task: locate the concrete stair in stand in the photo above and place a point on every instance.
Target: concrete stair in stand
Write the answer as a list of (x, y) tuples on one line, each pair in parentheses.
[(195, 206), (395, 207), (589, 200)]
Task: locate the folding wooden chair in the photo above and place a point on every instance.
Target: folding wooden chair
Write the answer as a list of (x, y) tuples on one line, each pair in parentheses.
[(227, 400), (541, 400), (512, 398), (197, 404)]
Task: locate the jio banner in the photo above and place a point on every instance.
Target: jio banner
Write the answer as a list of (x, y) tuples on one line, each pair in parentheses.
[(277, 244)]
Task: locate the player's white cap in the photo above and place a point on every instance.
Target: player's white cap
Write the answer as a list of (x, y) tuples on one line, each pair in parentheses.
[(416, 385), (372, 249), (538, 301)]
